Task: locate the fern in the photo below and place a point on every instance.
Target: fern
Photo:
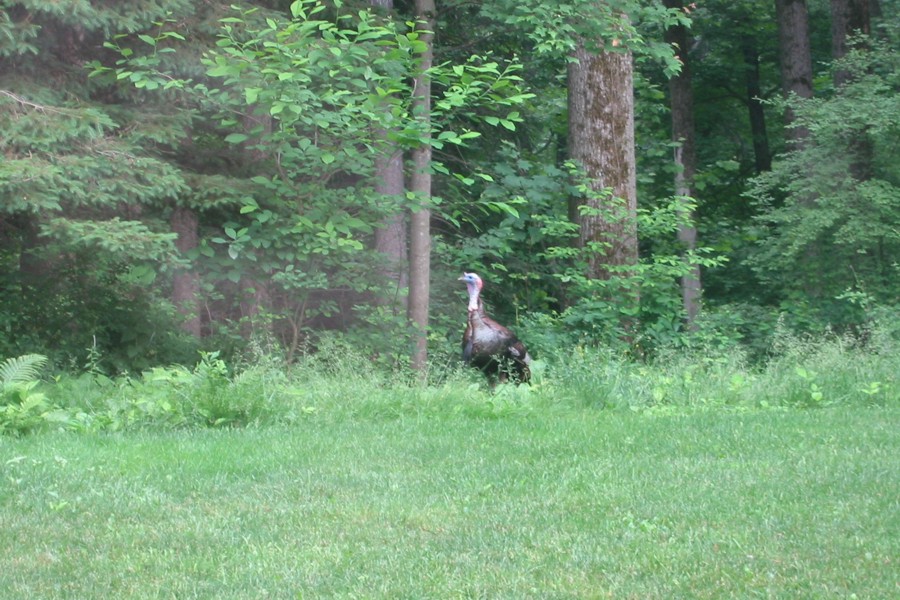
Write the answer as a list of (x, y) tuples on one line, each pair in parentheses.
[(19, 370), (21, 408)]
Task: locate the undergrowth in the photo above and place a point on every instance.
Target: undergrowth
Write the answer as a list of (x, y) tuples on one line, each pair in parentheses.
[(342, 383)]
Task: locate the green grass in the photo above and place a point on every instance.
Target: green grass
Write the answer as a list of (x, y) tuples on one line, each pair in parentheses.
[(551, 502)]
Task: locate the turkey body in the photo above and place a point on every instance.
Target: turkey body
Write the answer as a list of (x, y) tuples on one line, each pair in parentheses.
[(488, 345)]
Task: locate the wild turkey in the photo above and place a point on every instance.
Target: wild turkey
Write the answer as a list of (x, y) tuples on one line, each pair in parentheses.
[(487, 344)]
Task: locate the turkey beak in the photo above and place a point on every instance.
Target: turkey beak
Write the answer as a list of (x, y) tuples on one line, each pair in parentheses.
[(462, 278)]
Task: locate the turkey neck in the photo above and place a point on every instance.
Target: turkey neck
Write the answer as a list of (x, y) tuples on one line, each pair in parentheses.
[(475, 304), (476, 315)]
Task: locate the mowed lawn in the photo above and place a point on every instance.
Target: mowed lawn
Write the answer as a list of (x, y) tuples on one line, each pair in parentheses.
[(570, 504)]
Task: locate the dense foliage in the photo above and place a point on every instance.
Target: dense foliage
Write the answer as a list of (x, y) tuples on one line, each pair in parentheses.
[(183, 176)]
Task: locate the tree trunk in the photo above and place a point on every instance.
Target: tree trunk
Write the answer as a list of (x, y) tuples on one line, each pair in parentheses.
[(754, 104), (848, 18), (797, 79), (601, 140), (796, 60), (254, 300), (33, 269), (390, 235), (186, 283), (420, 185), (683, 134)]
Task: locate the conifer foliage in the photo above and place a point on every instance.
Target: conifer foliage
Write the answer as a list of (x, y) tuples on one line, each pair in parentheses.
[(87, 177)]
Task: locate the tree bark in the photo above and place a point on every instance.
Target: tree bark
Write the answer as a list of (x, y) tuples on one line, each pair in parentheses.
[(683, 134), (390, 235), (796, 60), (420, 185), (186, 283), (254, 300), (848, 18), (763, 158), (601, 140)]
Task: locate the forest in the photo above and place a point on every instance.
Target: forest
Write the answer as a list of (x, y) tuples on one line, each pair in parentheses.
[(251, 249), (641, 176)]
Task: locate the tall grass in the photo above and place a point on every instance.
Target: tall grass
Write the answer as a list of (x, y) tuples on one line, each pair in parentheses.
[(339, 382)]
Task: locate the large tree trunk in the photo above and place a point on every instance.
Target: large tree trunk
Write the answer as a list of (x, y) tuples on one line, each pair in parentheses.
[(601, 140), (796, 79), (754, 103), (796, 60), (390, 235), (848, 18), (186, 283), (420, 185), (682, 102)]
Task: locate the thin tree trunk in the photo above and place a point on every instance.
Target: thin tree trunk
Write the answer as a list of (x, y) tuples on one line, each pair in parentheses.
[(254, 300), (186, 283), (420, 185), (683, 134), (601, 140), (754, 104), (796, 60), (33, 269)]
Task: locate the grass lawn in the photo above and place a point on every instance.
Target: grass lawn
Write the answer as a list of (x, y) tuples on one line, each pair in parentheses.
[(574, 503)]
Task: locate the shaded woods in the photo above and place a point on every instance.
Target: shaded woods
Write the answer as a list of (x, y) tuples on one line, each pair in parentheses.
[(639, 176)]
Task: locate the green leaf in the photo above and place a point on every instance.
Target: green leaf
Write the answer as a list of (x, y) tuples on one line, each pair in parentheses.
[(236, 138), (22, 369)]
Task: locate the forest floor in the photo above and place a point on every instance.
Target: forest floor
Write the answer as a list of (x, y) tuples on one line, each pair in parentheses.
[(581, 503)]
